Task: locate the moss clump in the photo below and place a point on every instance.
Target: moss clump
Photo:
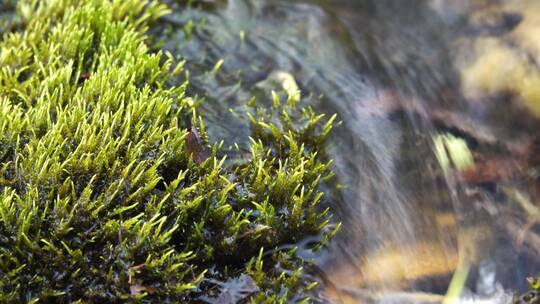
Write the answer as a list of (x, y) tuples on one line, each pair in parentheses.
[(102, 198), (532, 296)]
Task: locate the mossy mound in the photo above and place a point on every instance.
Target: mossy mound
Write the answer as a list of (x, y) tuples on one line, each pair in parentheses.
[(105, 194)]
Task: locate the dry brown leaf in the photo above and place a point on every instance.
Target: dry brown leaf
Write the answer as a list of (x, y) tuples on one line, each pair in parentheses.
[(195, 147)]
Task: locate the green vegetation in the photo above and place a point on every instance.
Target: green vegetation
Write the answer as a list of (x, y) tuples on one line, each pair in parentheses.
[(452, 152), (106, 195), (532, 296)]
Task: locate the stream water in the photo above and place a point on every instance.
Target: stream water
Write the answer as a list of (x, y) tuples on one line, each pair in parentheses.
[(393, 71)]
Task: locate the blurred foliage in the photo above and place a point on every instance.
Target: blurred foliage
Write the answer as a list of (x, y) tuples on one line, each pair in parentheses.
[(509, 62), (102, 198), (452, 152), (532, 296)]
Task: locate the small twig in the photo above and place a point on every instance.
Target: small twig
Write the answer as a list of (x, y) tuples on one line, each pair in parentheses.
[(521, 199), (525, 231)]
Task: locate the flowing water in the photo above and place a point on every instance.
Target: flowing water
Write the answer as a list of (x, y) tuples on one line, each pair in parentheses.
[(394, 71)]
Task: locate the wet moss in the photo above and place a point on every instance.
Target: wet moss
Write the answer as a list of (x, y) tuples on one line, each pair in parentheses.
[(102, 200)]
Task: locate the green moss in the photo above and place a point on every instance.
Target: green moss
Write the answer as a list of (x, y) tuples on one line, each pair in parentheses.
[(532, 296), (102, 198)]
